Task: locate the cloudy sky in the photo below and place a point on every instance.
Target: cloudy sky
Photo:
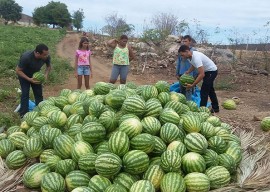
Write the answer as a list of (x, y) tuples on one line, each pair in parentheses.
[(234, 18)]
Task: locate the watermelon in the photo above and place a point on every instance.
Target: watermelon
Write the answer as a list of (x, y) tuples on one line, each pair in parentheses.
[(87, 163), (32, 147), (142, 185), (170, 161), (82, 189), (135, 105), (135, 162), (207, 130), (119, 143), (214, 120), (99, 183), (45, 154), (148, 92), (102, 88), (164, 98), (186, 79), (53, 182), (131, 127), (96, 108), (15, 159), (219, 176), (18, 139), (48, 137), (6, 147), (51, 161), (151, 125), (153, 108), (211, 158), (229, 104), (196, 142), (265, 124), (33, 174), (178, 146), (76, 179), (65, 166), (109, 120), (197, 182), (125, 180), (217, 144), (160, 146), (228, 162), (193, 162), (235, 152), (191, 123), (168, 115), (169, 132), (29, 119), (63, 146), (162, 86), (144, 142), (93, 132), (80, 148), (115, 98), (38, 76), (176, 106), (178, 97), (172, 182), (154, 174), (108, 164), (115, 187)]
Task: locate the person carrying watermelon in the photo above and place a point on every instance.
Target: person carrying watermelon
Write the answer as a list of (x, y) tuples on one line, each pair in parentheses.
[(207, 71), (182, 65), (29, 63), (122, 55)]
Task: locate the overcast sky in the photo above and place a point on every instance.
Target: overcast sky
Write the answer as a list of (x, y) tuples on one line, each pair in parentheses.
[(242, 16)]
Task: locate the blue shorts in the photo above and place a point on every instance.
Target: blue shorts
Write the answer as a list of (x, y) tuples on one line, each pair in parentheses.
[(121, 70), (83, 70)]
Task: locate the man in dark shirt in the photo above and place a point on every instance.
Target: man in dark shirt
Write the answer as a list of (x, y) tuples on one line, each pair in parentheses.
[(29, 63)]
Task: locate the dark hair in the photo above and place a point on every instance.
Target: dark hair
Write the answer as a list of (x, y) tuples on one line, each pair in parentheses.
[(123, 37), (40, 48), (83, 39), (188, 37), (183, 48)]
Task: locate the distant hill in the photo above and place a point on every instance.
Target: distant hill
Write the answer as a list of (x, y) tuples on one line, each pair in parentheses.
[(249, 47)]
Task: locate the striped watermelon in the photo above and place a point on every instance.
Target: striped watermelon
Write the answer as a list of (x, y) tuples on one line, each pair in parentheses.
[(48, 137), (127, 116), (102, 147), (178, 97), (65, 166), (13, 129), (191, 123), (217, 144), (57, 119), (135, 162), (87, 163), (82, 189), (115, 187), (80, 148), (178, 146), (39, 76), (131, 127), (96, 108), (162, 86), (6, 147), (265, 124), (154, 174), (228, 162), (192, 106), (219, 177), (207, 130), (33, 147), (99, 183), (108, 164), (153, 108), (63, 146), (53, 182), (93, 132), (44, 128), (3, 136), (18, 139), (29, 118), (144, 142), (125, 180), (214, 120), (193, 162), (89, 118), (33, 132), (197, 182), (172, 182), (131, 85), (45, 154), (33, 174), (148, 92), (176, 106), (74, 130), (186, 79), (211, 158), (135, 105), (119, 143), (76, 179), (102, 88), (196, 142), (168, 115), (51, 161), (235, 152), (164, 98), (170, 161), (160, 146), (65, 92), (72, 97), (15, 159), (61, 102), (151, 125), (229, 104), (142, 185), (73, 119), (115, 98), (169, 132), (109, 120)]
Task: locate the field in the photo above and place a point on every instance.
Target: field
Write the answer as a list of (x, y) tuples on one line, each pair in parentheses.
[(253, 91)]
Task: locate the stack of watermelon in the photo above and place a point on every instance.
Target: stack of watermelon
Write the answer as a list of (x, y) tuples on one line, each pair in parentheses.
[(122, 138)]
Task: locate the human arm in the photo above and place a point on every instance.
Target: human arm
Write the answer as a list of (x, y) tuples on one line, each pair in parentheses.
[(76, 66), (112, 43), (90, 66), (130, 53), (190, 69), (19, 72), (198, 79), (47, 71)]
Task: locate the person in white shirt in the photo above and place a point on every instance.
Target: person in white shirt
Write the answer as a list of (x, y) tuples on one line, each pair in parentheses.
[(207, 71)]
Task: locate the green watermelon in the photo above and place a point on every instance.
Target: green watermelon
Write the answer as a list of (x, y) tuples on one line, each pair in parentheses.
[(197, 182), (135, 162), (186, 79), (53, 182), (142, 185), (119, 143), (229, 104), (265, 124), (76, 178), (172, 182), (38, 76), (219, 176)]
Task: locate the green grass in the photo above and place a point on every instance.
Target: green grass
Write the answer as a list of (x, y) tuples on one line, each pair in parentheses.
[(14, 40)]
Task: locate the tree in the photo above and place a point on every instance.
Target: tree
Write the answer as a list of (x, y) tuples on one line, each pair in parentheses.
[(77, 20), (54, 13), (165, 23), (117, 26), (10, 10)]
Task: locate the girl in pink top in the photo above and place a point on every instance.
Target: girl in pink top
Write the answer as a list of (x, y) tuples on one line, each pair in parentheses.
[(83, 65)]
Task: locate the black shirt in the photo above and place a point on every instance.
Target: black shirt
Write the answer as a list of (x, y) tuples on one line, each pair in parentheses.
[(30, 64)]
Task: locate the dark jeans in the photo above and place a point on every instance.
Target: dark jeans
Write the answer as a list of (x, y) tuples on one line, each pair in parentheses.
[(25, 87), (208, 90)]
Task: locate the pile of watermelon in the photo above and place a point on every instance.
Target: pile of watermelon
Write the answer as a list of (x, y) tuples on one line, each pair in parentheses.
[(122, 138)]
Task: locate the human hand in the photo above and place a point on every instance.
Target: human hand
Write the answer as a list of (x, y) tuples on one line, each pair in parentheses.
[(75, 75), (91, 75), (34, 81), (189, 86)]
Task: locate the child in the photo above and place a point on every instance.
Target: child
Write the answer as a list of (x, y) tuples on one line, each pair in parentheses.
[(122, 55), (83, 65), (183, 65)]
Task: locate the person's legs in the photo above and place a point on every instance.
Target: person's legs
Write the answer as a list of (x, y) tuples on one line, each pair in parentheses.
[(37, 90), (124, 73), (212, 93), (205, 89), (86, 73), (115, 73), (25, 87), (79, 78)]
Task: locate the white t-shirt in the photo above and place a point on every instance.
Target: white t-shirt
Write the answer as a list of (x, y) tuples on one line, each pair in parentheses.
[(199, 59)]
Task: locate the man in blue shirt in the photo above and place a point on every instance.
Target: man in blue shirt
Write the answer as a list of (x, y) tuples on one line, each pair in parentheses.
[(29, 63), (182, 65)]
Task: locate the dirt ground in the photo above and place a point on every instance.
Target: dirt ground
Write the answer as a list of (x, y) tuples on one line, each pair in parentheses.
[(253, 91)]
